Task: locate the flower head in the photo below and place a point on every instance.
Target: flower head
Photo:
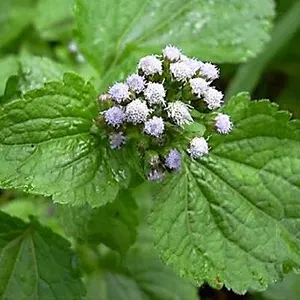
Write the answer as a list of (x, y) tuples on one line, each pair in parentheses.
[(209, 71), (179, 113), (223, 123), (136, 83), (199, 86), (173, 160), (181, 70), (119, 92), (213, 98), (150, 65), (116, 140), (137, 112), (156, 175), (198, 147), (171, 53), (193, 63), (155, 126), (155, 93), (115, 116)]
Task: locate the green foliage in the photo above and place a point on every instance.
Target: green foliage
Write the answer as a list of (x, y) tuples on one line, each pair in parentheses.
[(227, 214), (113, 35), (229, 219), (36, 263), (47, 147), (289, 288), (114, 224), (15, 15), (140, 275)]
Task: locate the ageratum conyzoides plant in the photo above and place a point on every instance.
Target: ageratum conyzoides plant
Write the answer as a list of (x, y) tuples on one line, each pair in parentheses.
[(142, 179)]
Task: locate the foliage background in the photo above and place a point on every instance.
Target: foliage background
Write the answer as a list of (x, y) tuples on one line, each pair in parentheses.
[(46, 28)]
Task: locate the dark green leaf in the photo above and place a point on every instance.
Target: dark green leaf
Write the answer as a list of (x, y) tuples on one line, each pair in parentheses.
[(36, 263), (230, 218)]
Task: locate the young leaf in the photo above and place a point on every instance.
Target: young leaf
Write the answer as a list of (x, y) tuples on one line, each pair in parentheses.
[(141, 276), (36, 263), (108, 31), (46, 146), (114, 224), (230, 217)]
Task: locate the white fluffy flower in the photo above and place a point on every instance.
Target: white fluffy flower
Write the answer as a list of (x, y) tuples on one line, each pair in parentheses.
[(150, 65), (199, 86), (198, 147), (171, 53), (179, 113), (181, 70), (137, 112), (223, 123), (193, 63), (136, 83), (210, 71), (119, 92), (213, 98), (155, 93), (155, 126)]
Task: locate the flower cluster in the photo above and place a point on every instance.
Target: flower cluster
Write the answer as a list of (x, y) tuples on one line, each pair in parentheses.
[(154, 108)]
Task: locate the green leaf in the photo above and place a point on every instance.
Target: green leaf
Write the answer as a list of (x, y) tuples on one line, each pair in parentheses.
[(46, 146), (140, 276), (34, 71), (289, 288), (15, 15), (230, 218), (54, 18), (114, 224), (112, 34), (36, 263), (8, 67)]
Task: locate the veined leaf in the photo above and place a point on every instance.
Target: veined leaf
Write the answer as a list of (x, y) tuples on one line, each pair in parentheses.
[(46, 146), (36, 263), (230, 218), (111, 34)]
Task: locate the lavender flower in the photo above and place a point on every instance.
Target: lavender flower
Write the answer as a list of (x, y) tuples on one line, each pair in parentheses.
[(209, 71), (156, 175), (136, 83), (213, 98), (137, 112), (199, 86), (171, 53), (223, 123), (150, 65), (173, 160), (155, 93), (198, 147), (179, 113), (119, 92), (115, 116), (116, 140), (181, 70), (154, 126)]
